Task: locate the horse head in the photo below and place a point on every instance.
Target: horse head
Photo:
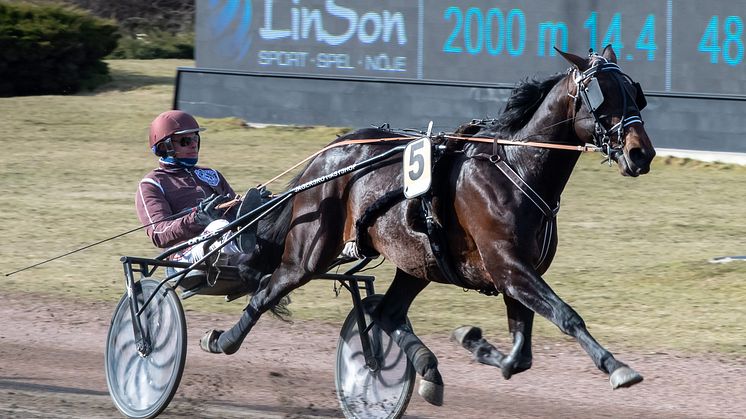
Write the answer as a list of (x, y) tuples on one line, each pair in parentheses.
[(606, 110)]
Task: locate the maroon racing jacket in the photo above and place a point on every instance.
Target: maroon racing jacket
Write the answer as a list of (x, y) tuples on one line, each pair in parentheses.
[(171, 189)]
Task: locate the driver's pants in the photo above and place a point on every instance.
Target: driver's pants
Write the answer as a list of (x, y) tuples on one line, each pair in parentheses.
[(197, 252)]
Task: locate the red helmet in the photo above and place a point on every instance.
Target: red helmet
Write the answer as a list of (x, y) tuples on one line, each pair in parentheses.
[(169, 123)]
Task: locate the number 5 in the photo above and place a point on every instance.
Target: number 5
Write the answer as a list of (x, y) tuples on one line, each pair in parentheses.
[(417, 167), (416, 159)]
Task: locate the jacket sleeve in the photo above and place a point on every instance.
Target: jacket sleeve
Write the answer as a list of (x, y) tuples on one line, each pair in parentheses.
[(152, 206), (225, 186)]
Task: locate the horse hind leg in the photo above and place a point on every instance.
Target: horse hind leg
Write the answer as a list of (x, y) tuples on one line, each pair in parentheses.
[(271, 295), (391, 316), (310, 246)]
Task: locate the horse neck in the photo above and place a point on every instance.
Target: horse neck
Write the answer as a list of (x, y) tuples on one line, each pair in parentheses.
[(547, 170)]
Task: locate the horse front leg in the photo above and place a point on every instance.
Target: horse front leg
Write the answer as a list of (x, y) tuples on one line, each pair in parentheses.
[(391, 316), (526, 286), (520, 324), (470, 337)]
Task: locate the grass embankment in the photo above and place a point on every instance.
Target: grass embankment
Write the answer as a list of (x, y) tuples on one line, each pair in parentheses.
[(632, 258)]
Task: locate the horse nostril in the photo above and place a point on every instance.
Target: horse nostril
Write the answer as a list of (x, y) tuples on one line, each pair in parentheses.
[(638, 158)]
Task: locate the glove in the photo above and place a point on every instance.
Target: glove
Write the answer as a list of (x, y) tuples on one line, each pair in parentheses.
[(207, 210), (265, 194)]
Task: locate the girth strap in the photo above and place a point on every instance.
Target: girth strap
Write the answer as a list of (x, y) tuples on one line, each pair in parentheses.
[(438, 243)]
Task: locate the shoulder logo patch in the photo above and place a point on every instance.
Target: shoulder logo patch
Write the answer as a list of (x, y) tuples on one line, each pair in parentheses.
[(208, 176)]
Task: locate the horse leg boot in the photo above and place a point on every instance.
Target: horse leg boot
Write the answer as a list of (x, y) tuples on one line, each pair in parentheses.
[(391, 315), (520, 322), (270, 294), (229, 341), (470, 337), (424, 362)]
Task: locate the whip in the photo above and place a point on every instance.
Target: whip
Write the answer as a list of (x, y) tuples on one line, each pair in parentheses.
[(177, 215)]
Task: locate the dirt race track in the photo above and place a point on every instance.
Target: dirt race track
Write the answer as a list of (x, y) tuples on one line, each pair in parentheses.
[(51, 366)]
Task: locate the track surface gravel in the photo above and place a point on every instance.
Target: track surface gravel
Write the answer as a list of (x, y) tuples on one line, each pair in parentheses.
[(52, 355)]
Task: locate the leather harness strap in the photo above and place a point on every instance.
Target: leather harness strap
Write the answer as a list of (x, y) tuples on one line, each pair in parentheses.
[(550, 214), (439, 243), (522, 186)]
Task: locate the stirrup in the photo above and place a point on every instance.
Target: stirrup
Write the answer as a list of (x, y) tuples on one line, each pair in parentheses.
[(209, 342), (247, 240)]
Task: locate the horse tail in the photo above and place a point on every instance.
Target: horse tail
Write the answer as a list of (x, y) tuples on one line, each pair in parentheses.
[(273, 229)]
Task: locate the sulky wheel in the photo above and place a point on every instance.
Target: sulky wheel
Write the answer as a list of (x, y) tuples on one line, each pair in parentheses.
[(365, 392), (142, 386)]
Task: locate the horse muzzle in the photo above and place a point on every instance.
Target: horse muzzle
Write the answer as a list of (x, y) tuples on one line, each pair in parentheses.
[(635, 158)]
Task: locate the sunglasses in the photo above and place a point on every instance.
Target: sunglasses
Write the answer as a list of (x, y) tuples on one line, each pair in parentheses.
[(185, 141)]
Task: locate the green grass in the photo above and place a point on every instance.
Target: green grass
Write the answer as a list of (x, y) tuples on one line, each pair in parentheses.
[(632, 258)]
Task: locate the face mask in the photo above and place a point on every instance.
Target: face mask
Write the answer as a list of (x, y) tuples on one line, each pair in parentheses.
[(179, 162)]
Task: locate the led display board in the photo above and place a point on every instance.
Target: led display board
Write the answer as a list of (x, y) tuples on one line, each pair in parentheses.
[(683, 46)]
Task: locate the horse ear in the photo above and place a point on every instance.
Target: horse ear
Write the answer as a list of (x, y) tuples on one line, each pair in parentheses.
[(609, 53), (579, 62)]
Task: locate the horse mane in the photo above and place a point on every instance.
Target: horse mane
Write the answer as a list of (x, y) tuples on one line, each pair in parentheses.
[(522, 104), (524, 101)]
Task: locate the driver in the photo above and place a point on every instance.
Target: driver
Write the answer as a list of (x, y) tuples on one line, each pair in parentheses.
[(177, 185)]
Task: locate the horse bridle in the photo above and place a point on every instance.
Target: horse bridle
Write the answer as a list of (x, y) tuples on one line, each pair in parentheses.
[(589, 91)]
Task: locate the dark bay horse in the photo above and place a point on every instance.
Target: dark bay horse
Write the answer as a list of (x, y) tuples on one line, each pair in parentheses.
[(500, 225)]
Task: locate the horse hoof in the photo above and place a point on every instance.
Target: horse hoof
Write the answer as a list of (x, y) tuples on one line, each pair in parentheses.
[(209, 342), (624, 377), (466, 334), (431, 392), (507, 369)]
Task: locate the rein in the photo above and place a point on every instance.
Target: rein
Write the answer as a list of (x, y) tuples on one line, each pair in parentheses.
[(580, 148), (329, 147)]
